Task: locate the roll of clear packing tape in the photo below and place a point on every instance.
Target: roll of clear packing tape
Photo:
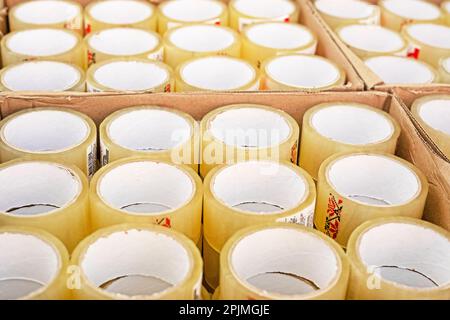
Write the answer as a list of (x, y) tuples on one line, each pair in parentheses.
[(339, 13), (293, 72), (140, 190), (138, 261), (444, 70), (247, 132), (175, 13), (42, 75), (54, 134), (250, 193), (123, 43), (129, 74), (344, 127), (47, 13), (245, 12), (103, 14), (429, 42), (282, 262), (45, 195), (34, 265), (216, 73), (399, 259), (198, 40), (397, 13), (264, 40), (445, 6), (152, 132), (371, 40), (356, 187), (43, 44), (433, 114)]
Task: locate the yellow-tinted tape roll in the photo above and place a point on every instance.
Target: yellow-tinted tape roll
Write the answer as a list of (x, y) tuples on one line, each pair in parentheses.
[(45, 195), (247, 132), (152, 132), (245, 12), (138, 261), (249, 193), (399, 258), (433, 114), (280, 261), (300, 72), (54, 134), (344, 127), (130, 74), (42, 75), (264, 40), (43, 44), (444, 70), (173, 13), (356, 187), (186, 42), (446, 10), (34, 265)]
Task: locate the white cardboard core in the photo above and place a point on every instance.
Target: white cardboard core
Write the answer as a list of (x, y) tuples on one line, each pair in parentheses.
[(123, 41), (131, 75), (357, 125), (192, 10), (121, 11), (146, 187), (149, 130), (44, 131), (218, 73), (413, 9), (136, 262), (436, 113), (284, 261), (202, 38), (250, 127), (269, 9), (397, 70), (407, 254), (302, 71), (346, 9), (371, 38), (41, 76), (434, 35), (373, 180), (47, 12), (27, 264), (260, 187), (279, 35), (32, 188), (446, 64)]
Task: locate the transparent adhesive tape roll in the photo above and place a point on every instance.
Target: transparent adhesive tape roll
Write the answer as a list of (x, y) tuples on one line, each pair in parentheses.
[(399, 258), (444, 70), (138, 261), (247, 132), (42, 75), (45, 195), (175, 13), (34, 265), (186, 42), (47, 13), (146, 191), (290, 72), (54, 134), (356, 187), (282, 262), (264, 40), (245, 12), (149, 131), (250, 193), (360, 128), (100, 15)]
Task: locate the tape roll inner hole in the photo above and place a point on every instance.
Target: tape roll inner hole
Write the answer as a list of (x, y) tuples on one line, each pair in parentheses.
[(146, 187), (28, 264), (446, 65), (434, 35), (265, 8), (406, 254), (260, 187), (192, 10), (373, 180), (136, 263), (414, 9), (436, 113), (346, 9), (46, 12), (283, 36), (121, 12), (202, 38), (284, 261)]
